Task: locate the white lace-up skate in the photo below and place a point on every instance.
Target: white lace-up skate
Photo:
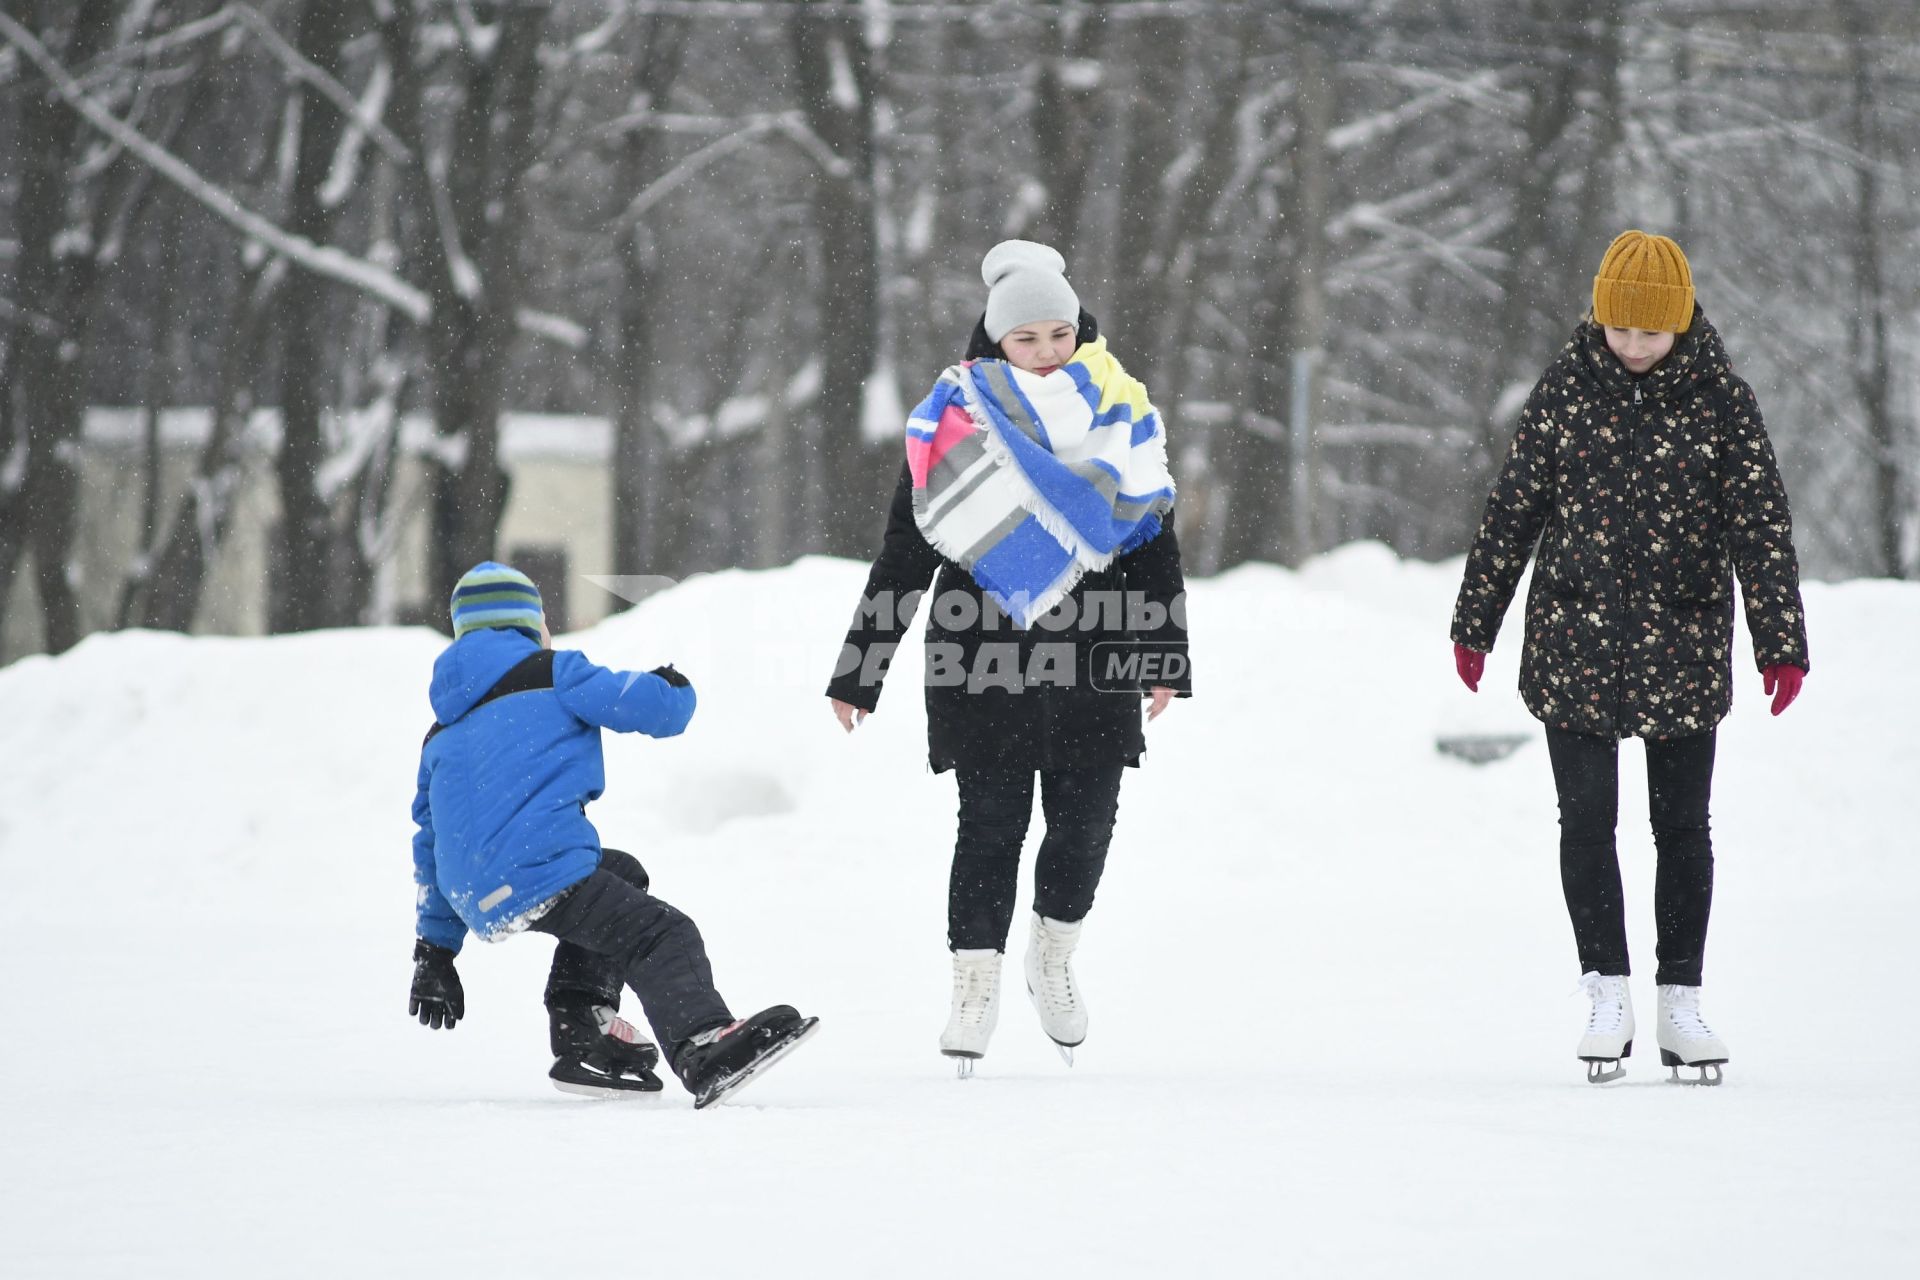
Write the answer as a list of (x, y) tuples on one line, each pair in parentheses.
[(1609, 1036), (976, 1008), (1050, 982), (1685, 1038)]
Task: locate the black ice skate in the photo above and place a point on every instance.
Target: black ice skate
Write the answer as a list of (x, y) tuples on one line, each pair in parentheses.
[(723, 1062), (598, 1054)]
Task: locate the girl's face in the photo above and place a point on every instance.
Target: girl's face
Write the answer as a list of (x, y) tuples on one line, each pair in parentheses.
[(1040, 347), (1639, 349)]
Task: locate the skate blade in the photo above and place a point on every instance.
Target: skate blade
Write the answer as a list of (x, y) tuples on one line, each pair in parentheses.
[(1708, 1078), (752, 1072), (1064, 1049), (582, 1081), (963, 1062), (1604, 1070), (1709, 1070), (605, 1091)]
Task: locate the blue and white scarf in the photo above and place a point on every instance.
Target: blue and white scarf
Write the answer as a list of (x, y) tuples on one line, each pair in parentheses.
[(1028, 482)]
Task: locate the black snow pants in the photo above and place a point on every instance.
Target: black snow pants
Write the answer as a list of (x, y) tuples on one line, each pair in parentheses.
[(611, 930), (1586, 771), (995, 807)]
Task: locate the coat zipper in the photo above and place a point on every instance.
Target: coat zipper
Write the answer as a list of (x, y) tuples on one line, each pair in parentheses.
[(1626, 584)]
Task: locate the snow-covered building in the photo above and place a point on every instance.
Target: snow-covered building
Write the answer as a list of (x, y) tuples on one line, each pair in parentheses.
[(558, 522)]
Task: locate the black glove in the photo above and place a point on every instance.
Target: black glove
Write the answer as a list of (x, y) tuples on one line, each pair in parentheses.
[(671, 676), (437, 999)]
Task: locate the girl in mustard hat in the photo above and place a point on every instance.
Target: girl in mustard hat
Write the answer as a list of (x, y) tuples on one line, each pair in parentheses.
[(1642, 469)]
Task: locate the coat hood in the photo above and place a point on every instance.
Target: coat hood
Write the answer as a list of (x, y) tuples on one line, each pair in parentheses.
[(1698, 355), (981, 347), (472, 665)]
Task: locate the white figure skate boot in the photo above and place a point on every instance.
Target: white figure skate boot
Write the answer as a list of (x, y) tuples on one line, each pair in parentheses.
[(1685, 1038), (1609, 1036), (976, 1007), (1050, 982)]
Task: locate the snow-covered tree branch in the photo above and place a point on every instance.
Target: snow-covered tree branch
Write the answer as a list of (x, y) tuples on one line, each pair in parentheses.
[(323, 260)]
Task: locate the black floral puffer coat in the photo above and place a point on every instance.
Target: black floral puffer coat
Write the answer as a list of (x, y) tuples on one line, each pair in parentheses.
[(1647, 495)]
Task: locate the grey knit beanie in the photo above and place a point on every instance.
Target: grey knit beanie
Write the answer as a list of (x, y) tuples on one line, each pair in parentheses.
[(1026, 282)]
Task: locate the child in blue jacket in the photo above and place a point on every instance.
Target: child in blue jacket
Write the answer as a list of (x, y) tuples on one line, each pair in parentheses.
[(504, 845)]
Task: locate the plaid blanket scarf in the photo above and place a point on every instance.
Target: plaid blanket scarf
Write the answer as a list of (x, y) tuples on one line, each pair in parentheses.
[(1028, 482)]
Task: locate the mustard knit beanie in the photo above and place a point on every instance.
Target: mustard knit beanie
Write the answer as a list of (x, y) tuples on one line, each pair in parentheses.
[(1644, 283)]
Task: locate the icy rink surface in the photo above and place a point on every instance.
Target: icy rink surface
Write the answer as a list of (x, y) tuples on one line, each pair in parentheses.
[(1329, 974)]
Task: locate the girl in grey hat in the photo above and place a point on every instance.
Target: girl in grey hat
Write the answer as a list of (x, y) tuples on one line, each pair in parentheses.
[(1036, 489)]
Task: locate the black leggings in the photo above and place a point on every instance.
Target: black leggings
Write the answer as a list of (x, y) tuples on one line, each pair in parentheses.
[(1586, 770), (995, 807), (612, 930)]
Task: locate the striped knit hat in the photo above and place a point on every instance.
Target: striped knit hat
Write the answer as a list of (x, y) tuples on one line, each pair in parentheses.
[(493, 595)]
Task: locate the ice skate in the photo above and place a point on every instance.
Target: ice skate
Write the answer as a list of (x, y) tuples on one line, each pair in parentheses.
[(1686, 1040), (1050, 982), (599, 1054), (1609, 1035), (719, 1063), (976, 1008)]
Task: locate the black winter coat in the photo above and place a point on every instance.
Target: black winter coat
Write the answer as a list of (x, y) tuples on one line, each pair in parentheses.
[(1647, 495), (1020, 711)]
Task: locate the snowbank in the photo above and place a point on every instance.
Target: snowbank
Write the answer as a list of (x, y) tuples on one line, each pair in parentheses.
[(1329, 973)]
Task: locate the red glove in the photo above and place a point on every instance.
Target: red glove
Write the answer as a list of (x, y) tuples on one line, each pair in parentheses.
[(1783, 682), (1471, 664)]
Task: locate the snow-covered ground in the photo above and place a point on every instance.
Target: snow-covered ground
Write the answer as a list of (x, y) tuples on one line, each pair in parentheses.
[(1329, 973)]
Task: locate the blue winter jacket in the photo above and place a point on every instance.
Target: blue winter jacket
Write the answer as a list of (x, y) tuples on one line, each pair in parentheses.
[(502, 796)]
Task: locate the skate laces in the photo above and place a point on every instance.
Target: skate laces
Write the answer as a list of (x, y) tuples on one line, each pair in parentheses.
[(1056, 975), (612, 1024), (974, 987), (708, 1037), (1683, 1012), (1609, 1002)]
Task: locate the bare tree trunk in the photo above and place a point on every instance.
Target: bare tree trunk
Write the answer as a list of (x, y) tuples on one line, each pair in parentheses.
[(1186, 234), (13, 452), (844, 499), (56, 275), (641, 453), (158, 392), (1872, 362), (1191, 249), (1552, 111), (1065, 123), (309, 591), (703, 528), (473, 342), (1156, 53), (467, 220), (1313, 98), (1253, 458), (1570, 265), (1547, 253), (170, 597)]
